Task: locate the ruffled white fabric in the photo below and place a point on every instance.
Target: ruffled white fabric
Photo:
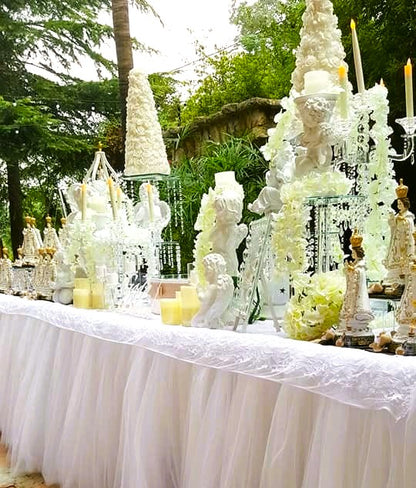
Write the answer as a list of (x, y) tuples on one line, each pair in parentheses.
[(102, 400)]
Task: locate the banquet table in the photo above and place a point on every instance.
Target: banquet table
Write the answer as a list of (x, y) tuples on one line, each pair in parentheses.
[(104, 399)]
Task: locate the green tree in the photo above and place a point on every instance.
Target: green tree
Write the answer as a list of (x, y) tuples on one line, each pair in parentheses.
[(387, 36), (197, 176), (263, 59), (262, 63), (45, 37)]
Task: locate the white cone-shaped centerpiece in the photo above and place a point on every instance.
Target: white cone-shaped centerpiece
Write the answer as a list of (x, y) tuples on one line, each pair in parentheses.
[(320, 48), (145, 149)]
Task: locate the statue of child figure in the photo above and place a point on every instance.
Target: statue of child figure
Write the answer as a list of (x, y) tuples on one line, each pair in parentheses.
[(401, 247), (356, 312), (30, 244), (217, 295), (50, 236), (6, 273), (227, 234)]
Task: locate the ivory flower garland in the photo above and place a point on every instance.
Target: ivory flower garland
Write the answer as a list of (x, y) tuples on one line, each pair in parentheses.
[(289, 234), (381, 186)]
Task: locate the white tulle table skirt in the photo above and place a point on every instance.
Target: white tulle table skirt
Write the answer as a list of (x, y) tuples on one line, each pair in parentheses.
[(101, 400)]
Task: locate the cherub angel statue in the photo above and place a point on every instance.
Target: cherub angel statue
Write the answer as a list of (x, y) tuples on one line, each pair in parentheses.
[(216, 296)]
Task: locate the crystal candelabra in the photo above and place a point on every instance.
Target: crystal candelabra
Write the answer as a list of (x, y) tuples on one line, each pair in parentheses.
[(409, 126)]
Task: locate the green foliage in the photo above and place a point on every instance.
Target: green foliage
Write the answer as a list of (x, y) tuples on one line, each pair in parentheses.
[(50, 35), (47, 128), (197, 176), (263, 58), (262, 66), (387, 34), (164, 88)]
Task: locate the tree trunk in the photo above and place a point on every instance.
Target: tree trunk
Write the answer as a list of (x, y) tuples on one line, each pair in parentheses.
[(120, 10), (15, 202)]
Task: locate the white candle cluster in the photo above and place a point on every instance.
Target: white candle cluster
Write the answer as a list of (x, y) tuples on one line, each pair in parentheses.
[(145, 149)]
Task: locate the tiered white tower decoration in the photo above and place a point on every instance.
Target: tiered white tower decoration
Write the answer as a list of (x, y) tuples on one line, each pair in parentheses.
[(145, 149), (146, 162), (329, 157), (320, 49)]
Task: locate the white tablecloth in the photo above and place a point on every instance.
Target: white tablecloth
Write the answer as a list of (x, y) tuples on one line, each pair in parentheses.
[(104, 400)]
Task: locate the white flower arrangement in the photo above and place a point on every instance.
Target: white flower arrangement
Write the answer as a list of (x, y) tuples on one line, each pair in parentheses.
[(315, 305)]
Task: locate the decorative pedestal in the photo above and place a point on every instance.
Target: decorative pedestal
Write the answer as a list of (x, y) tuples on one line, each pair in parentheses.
[(359, 340)]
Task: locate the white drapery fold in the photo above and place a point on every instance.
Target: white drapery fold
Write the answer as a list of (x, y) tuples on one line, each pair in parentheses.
[(95, 413)]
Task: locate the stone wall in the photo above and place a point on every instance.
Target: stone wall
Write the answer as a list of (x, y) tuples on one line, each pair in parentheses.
[(251, 118)]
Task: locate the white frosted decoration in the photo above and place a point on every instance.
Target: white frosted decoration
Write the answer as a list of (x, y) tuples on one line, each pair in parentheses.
[(320, 47), (317, 81), (145, 149), (225, 178)]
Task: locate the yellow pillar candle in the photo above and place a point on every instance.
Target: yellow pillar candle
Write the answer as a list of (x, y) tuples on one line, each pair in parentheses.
[(190, 304), (178, 296), (97, 295), (83, 201), (112, 197), (82, 283), (81, 298), (408, 86), (343, 96), (170, 312), (149, 190), (357, 59)]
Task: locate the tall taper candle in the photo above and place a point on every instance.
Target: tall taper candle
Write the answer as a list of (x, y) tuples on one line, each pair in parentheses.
[(343, 96), (357, 59), (149, 189), (112, 198), (408, 86), (83, 201), (119, 197)]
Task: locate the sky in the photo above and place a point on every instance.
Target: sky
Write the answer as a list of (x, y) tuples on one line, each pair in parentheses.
[(184, 23)]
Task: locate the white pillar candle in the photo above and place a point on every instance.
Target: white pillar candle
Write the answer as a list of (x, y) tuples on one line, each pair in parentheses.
[(316, 81), (408, 86), (224, 179), (357, 59)]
